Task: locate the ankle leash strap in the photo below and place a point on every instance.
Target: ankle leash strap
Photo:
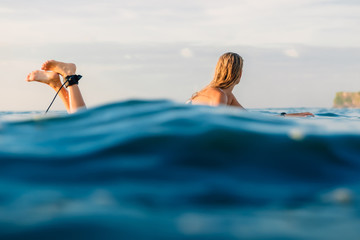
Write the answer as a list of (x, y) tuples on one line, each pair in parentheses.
[(72, 79)]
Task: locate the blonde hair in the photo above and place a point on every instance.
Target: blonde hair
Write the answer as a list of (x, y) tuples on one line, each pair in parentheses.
[(228, 70)]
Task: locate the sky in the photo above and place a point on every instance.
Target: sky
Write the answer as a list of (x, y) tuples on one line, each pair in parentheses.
[(297, 53)]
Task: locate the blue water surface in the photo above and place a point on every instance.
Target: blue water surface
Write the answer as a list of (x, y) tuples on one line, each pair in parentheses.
[(164, 170)]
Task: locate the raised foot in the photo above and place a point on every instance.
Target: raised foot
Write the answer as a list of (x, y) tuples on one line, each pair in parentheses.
[(64, 69), (50, 78)]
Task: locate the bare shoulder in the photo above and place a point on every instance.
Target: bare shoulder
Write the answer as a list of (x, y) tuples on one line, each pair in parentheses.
[(210, 96), (218, 96)]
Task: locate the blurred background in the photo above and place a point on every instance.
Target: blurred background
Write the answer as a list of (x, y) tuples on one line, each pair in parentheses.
[(297, 53)]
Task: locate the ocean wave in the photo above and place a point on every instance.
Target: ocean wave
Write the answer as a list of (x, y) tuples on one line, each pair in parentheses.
[(182, 171)]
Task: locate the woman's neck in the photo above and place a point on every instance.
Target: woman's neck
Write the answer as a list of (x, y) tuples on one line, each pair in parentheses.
[(229, 89)]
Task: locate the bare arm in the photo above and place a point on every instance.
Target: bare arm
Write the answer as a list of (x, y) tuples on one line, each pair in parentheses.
[(302, 114)]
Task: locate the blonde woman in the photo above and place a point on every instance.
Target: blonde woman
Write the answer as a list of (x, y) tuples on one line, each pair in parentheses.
[(227, 75), (50, 75)]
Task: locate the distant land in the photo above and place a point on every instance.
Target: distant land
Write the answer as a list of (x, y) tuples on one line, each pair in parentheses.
[(347, 100)]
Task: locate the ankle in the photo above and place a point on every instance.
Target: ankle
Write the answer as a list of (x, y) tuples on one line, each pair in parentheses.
[(55, 86), (69, 70), (68, 73)]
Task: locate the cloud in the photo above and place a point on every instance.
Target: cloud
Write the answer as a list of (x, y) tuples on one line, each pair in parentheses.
[(186, 53), (6, 10), (255, 23), (293, 53)]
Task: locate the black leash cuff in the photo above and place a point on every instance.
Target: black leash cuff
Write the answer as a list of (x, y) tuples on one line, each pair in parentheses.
[(72, 79)]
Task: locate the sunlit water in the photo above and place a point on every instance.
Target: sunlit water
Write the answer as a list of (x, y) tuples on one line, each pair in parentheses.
[(162, 170)]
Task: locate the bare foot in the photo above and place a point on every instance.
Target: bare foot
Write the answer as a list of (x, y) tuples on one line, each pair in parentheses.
[(64, 69), (50, 78)]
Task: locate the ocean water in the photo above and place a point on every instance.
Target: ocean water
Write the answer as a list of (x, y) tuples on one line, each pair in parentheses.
[(164, 170)]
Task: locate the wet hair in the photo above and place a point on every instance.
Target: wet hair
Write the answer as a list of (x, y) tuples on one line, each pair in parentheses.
[(228, 70)]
